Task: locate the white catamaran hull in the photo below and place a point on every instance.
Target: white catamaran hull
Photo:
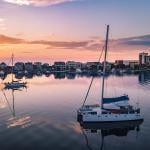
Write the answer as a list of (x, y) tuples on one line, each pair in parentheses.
[(111, 117)]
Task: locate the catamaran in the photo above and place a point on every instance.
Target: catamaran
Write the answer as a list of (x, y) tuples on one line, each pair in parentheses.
[(14, 84), (116, 109)]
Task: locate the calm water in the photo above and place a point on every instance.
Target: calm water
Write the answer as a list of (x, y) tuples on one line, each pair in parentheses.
[(43, 116)]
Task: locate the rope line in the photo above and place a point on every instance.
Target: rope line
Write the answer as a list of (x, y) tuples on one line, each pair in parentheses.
[(92, 78)]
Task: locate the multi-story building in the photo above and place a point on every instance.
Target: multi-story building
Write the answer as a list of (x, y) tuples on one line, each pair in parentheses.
[(93, 65), (134, 64), (3, 66), (19, 66), (119, 62), (72, 65), (59, 66), (144, 58), (28, 67)]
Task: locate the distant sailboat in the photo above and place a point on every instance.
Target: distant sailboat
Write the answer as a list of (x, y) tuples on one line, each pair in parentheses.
[(119, 110), (14, 84)]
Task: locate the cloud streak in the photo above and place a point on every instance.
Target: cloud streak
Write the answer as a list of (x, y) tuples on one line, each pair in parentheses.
[(138, 41), (37, 2), (10, 40), (51, 44), (143, 40), (62, 44)]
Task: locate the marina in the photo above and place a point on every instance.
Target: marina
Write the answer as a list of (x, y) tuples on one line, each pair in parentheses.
[(74, 75), (46, 117)]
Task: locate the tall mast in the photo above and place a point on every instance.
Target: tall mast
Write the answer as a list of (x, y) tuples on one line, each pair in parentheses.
[(12, 66), (104, 66)]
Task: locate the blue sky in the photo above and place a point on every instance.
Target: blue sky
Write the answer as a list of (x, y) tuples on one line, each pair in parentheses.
[(126, 17), (79, 20)]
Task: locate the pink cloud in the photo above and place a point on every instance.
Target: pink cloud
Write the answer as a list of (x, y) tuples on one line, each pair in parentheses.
[(37, 2), (122, 44)]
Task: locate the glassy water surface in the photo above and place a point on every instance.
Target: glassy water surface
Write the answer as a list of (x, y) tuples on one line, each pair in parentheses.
[(43, 116)]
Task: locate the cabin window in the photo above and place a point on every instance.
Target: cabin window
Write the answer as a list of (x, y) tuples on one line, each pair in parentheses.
[(124, 112), (132, 112), (104, 112), (93, 113)]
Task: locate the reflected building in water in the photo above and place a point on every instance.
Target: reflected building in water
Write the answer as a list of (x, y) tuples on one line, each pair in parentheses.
[(144, 77), (70, 75), (59, 75)]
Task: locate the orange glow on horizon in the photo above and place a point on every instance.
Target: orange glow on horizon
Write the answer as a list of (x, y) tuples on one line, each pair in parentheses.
[(24, 52)]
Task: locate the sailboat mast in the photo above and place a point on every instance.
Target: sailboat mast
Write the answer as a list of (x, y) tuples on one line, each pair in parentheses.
[(104, 66), (12, 66)]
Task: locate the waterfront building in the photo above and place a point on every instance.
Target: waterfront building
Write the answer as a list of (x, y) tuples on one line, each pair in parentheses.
[(134, 64), (28, 67), (46, 68), (72, 65), (144, 58), (19, 66), (108, 66), (37, 66), (93, 65), (59, 66), (119, 62), (126, 62), (45, 65), (3, 66), (148, 59)]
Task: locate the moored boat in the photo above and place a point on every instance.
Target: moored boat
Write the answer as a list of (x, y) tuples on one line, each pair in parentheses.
[(116, 109), (14, 84)]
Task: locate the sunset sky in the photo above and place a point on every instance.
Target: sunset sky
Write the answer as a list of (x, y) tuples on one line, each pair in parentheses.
[(52, 30)]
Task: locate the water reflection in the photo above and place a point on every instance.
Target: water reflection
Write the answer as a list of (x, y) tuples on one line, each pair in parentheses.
[(15, 121), (144, 77), (2, 104), (108, 129), (46, 114), (59, 75)]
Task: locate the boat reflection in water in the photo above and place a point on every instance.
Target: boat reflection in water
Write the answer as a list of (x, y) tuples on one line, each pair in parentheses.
[(16, 121), (107, 129)]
